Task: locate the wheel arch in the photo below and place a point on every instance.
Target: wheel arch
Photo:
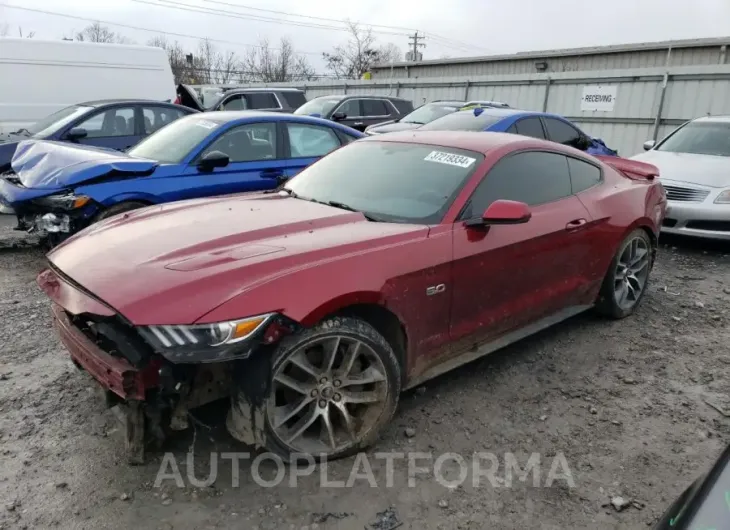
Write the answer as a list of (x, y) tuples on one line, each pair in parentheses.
[(370, 307)]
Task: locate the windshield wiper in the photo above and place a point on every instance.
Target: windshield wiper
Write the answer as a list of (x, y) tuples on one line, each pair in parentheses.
[(415, 122), (349, 208), (289, 192)]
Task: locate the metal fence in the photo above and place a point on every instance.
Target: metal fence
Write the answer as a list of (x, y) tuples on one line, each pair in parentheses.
[(649, 102)]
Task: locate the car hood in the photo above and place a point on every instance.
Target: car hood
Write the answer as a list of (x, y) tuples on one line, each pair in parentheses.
[(56, 165), (176, 262), (392, 127), (704, 170)]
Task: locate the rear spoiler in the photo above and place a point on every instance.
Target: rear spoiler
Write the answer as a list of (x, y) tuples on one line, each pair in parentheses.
[(632, 169)]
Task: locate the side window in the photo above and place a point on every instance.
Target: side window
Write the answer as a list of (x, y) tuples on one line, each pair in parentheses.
[(294, 99), (345, 138), (512, 129), (111, 123), (530, 127), (374, 107), (235, 103), (262, 100), (533, 178), (155, 118), (583, 175), (351, 107), (562, 133), (247, 143), (404, 107), (307, 141)]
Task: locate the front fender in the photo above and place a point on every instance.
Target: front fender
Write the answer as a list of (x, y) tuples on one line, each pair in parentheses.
[(110, 200)]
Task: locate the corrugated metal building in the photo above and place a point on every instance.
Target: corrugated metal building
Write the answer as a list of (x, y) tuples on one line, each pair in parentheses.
[(669, 53)]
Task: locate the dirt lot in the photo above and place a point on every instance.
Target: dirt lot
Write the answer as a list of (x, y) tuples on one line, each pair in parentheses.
[(624, 402)]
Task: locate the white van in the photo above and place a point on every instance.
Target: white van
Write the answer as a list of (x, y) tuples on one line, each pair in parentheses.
[(38, 78)]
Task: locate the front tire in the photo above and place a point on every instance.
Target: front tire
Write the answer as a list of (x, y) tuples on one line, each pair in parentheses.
[(627, 279), (332, 389), (119, 208)]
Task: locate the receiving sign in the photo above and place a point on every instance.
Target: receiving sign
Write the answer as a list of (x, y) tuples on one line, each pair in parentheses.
[(597, 97)]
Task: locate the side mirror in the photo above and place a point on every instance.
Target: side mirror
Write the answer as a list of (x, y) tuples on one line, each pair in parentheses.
[(503, 212), (337, 116), (213, 160), (77, 133), (649, 145)]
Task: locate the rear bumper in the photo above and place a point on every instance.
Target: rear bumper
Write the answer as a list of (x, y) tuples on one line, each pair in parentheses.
[(113, 373)]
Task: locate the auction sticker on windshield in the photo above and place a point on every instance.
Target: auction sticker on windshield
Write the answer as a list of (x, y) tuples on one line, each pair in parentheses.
[(450, 159)]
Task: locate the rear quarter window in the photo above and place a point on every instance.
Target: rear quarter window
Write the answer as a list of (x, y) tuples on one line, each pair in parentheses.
[(583, 175), (294, 99), (404, 107)]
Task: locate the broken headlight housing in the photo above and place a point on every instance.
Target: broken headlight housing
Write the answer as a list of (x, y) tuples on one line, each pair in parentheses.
[(202, 342), (62, 201)]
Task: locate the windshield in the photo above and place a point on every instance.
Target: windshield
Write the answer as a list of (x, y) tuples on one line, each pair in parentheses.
[(699, 138), (402, 183), (428, 113), (463, 121), (50, 124), (172, 143), (321, 106)]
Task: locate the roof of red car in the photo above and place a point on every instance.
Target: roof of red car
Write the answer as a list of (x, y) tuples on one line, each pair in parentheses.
[(480, 141)]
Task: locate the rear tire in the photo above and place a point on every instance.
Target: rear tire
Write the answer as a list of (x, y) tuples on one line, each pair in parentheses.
[(119, 208), (627, 278)]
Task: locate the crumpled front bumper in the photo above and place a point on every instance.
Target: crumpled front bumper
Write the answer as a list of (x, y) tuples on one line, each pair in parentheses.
[(113, 373)]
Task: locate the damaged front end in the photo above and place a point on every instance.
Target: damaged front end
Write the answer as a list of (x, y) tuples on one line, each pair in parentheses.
[(56, 216), (154, 375)]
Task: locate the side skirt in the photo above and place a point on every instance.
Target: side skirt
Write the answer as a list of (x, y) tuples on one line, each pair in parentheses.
[(497, 344)]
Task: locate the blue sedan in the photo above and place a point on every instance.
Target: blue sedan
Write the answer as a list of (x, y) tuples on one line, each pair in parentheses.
[(115, 124), (527, 123), (56, 189)]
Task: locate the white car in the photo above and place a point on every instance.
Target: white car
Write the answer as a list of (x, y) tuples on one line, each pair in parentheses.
[(694, 166)]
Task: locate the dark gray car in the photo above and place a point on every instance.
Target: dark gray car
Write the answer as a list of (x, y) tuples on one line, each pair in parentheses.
[(265, 98), (358, 112)]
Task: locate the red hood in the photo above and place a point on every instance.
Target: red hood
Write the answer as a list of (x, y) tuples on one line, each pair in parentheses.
[(172, 264)]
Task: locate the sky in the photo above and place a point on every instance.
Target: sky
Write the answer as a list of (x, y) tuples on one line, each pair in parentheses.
[(458, 28)]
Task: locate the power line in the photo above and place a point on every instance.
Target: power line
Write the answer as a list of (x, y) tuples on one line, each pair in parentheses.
[(170, 4), (434, 36), (156, 31)]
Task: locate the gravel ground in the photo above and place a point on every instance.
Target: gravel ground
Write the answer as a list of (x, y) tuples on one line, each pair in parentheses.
[(624, 402)]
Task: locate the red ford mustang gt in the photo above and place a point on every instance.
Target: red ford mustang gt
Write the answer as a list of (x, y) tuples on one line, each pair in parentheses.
[(388, 262)]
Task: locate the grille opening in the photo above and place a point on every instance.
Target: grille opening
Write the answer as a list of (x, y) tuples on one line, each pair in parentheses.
[(682, 194), (717, 226), (113, 336)]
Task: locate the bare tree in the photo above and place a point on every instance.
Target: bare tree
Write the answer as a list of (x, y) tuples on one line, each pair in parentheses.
[(5, 32), (97, 33), (178, 58), (226, 68), (390, 53), (269, 65), (359, 54)]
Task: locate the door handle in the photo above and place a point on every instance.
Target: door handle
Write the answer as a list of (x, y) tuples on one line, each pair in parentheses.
[(575, 225), (272, 173)]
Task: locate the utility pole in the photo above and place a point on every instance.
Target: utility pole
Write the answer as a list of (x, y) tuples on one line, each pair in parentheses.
[(414, 44)]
